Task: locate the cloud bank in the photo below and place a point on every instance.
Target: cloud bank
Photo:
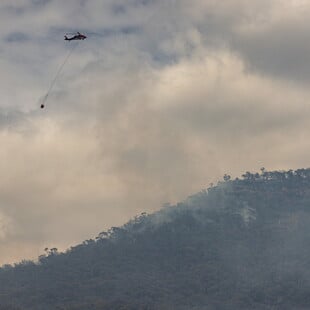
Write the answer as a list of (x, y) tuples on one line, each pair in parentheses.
[(163, 98)]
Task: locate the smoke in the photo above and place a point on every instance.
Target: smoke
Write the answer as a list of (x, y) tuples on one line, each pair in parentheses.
[(166, 98), (6, 226)]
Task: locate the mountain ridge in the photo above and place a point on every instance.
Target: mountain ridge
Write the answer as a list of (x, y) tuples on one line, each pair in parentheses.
[(242, 244)]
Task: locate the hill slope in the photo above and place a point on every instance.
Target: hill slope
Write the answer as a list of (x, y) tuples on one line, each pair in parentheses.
[(243, 244)]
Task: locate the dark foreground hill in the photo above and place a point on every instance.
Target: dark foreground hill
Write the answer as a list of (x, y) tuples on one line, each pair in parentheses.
[(243, 244)]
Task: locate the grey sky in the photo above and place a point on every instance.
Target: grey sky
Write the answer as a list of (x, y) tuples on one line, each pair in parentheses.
[(163, 98)]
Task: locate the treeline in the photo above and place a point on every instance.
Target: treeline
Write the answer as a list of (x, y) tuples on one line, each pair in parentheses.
[(242, 244)]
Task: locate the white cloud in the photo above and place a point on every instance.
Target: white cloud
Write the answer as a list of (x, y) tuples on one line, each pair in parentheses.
[(138, 117)]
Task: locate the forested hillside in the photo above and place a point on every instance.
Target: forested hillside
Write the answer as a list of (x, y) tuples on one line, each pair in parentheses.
[(242, 244)]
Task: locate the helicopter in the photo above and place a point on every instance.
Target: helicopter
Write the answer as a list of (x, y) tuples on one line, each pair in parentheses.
[(77, 36)]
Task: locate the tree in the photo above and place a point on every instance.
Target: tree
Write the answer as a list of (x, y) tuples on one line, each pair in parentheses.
[(226, 177)]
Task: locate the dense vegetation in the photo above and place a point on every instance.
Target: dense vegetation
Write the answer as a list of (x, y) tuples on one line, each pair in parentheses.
[(242, 244)]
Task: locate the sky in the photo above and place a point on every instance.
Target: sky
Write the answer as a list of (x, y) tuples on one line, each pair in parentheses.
[(163, 98)]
